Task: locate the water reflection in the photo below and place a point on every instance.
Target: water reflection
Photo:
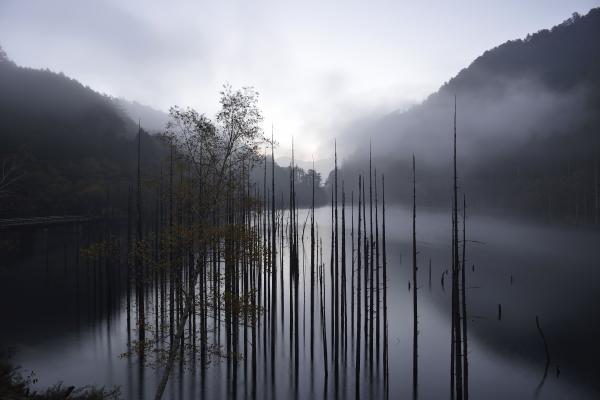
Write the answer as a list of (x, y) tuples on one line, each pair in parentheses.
[(68, 319)]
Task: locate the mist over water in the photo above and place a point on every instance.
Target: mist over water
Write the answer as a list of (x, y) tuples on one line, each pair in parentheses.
[(518, 265)]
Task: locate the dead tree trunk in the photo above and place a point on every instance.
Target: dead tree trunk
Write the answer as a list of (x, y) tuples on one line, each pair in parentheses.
[(385, 316), (415, 287), (464, 305), (358, 299)]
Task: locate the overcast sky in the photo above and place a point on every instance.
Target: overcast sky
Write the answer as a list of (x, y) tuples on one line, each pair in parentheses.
[(318, 65)]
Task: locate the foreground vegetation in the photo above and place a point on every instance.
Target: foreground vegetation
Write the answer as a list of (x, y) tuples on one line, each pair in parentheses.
[(13, 386)]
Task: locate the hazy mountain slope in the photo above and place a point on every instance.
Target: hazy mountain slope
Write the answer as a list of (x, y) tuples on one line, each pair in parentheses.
[(528, 128), (75, 151), (152, 120), (71, 146)]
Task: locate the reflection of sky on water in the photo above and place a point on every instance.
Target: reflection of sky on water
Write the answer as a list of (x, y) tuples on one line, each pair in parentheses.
[(553, 276)]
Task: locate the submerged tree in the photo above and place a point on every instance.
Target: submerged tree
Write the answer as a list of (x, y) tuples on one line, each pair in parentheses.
[(219, 154), (415, 287), (218, 239)]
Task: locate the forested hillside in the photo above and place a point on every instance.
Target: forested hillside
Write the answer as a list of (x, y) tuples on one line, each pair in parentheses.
[(528, 127), (66, 149)]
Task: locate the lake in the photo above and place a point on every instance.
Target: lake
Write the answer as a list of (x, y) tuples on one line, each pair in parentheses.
[(66, 317)]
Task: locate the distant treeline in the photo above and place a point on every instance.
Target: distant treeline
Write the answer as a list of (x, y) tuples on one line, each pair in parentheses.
[(303, 184)]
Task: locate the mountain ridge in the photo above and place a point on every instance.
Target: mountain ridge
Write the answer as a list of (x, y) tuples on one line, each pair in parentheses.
[(525, 126)]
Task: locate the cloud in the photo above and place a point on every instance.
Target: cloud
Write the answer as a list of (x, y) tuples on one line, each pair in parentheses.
[(318, 66)]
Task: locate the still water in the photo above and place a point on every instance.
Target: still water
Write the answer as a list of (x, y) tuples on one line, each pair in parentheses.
[(62, 330)]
